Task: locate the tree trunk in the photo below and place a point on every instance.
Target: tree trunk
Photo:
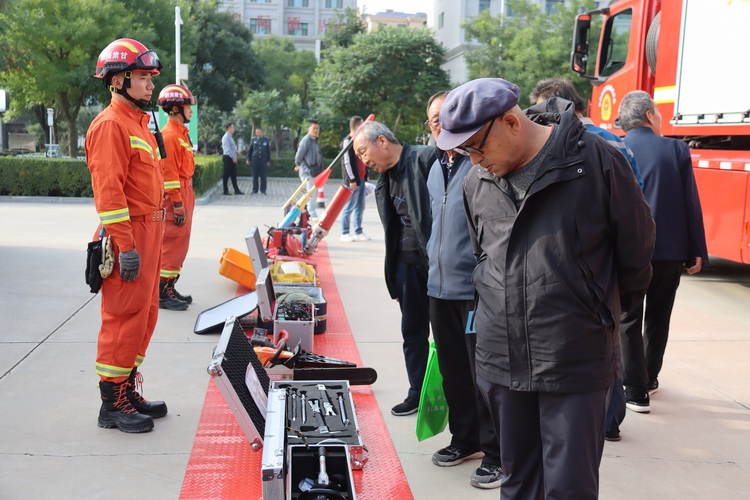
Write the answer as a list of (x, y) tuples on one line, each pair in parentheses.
[(395, 125), (70, 117)]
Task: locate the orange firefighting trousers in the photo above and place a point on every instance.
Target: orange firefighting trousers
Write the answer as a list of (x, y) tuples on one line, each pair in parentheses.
[(177, 238), (130, 309)]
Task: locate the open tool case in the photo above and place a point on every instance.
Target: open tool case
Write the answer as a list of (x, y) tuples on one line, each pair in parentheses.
[(314, 414)]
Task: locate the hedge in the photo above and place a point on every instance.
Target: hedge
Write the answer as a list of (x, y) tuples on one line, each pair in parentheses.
[(30, 176), (40, 176)]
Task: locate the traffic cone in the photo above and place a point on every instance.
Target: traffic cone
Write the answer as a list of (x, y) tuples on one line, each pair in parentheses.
[(321, 199)]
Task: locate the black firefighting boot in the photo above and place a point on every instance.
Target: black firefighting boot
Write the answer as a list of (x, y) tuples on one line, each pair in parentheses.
[(184, 298), (117, 411), (167, 298), (154, 409)]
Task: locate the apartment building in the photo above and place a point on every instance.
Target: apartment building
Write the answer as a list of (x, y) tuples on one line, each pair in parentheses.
[(446, 19), (303, 21), (374, 22)]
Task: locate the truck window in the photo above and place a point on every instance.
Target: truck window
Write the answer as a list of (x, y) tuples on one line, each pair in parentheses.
[(614, 50)]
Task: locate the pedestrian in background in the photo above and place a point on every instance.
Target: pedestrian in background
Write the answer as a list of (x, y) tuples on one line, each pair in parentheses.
[(561, 231), (670, 189), (258, 156), (404, 208), (563, 88), (451, 298), (179, 200), (229, 148), (123, 158), (309, 163), (354, 175)]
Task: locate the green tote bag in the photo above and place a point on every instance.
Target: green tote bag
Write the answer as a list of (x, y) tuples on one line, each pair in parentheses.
[(433, 409)]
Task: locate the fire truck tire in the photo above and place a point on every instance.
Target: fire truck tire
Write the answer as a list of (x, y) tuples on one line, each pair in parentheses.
[(652, 42)]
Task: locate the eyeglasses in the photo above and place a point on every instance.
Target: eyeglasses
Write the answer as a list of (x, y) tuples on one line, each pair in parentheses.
[(434, 123), (468, 150)]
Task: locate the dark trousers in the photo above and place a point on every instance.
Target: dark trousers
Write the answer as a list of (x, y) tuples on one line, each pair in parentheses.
[(634, 375), (643, 337), (551, 444), (411, 281), (469, 418), (259, 172), (230, 171), (659, 302)]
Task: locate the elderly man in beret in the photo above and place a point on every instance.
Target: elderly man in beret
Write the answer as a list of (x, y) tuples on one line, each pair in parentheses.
[(563, 236)]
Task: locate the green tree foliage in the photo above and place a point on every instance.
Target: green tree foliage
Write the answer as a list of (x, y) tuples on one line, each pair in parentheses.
[(343, 28), (391, 72), (285, 68), (525, 48), (225, 67), (49, 51)]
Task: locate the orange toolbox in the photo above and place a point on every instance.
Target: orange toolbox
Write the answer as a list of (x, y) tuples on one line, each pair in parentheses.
[(237, 266)]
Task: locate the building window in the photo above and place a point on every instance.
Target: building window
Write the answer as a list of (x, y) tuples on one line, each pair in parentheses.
[(441, 20), (260, 25), (484, 5), (297, 3), (260, 1), (334, 4), (296, 28)]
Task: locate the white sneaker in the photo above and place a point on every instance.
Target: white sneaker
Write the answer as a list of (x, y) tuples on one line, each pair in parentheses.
[(347, 237), (361, 237)]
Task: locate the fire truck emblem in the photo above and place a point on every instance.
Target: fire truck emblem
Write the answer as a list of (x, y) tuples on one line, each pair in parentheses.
[(606, 103), (606, 108)]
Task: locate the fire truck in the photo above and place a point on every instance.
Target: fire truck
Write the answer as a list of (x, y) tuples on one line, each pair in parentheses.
[(693, 57)]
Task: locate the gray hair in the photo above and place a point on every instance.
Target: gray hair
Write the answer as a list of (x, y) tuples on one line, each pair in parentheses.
[(633, 109), (371, 130)]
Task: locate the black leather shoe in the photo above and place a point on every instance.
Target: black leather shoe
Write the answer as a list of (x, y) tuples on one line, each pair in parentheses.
[(238, 192)]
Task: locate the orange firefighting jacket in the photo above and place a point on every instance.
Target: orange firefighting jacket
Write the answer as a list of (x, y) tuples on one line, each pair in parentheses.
[(123, 158), (179, 164)]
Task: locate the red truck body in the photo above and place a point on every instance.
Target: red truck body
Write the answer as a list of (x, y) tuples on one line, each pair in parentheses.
[(692, 57)]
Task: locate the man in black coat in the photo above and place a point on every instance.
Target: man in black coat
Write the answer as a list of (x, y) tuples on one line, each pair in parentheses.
[(404, 207), (670, 189), (562, 234)]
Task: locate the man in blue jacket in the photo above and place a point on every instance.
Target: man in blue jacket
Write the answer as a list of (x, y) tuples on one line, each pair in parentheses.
[(451, 297), (670, 189)]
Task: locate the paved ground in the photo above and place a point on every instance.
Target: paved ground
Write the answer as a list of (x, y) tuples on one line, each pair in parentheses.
[(695, 444)]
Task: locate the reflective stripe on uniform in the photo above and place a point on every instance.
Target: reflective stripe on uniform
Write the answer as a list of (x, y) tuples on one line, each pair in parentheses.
[(185, 144), (138, 360), (138, 143), (112, 216), (171, 185), (166, 273), (112, 371)]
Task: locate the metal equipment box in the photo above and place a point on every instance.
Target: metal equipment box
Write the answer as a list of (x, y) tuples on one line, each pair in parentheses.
[(233, 360), (272, 471)]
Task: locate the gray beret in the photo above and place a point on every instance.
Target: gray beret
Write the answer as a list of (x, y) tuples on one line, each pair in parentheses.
[(469, 107)]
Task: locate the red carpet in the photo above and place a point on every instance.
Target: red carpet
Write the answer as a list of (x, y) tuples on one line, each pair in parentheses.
[(223, 466)]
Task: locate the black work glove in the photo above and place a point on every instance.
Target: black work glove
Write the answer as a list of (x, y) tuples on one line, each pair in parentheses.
[(179, 213), (130, 264)]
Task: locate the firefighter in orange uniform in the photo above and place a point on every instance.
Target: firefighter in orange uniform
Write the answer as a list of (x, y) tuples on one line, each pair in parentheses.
[(123, 157), (177, 167)]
